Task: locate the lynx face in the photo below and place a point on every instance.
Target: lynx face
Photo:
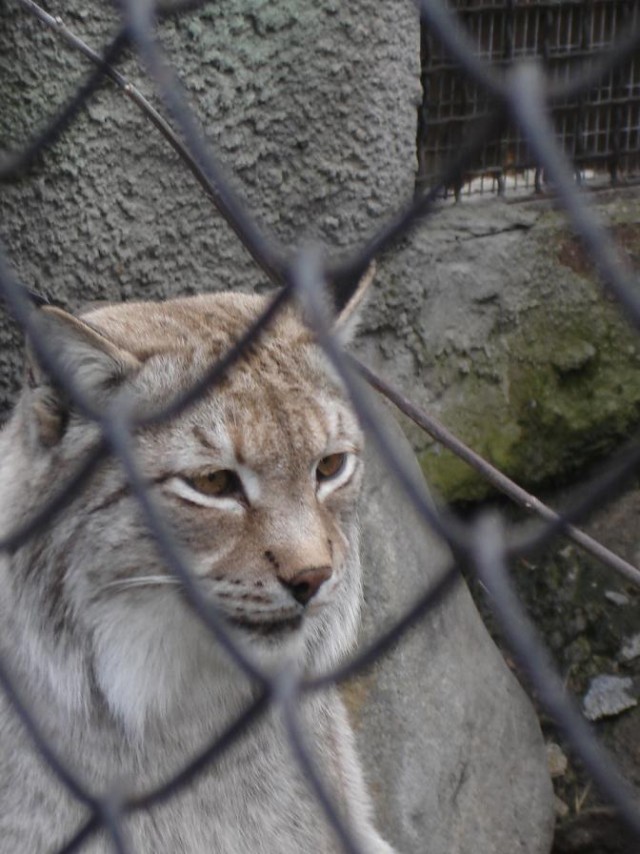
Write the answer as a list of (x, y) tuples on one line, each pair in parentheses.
[(258, 484)]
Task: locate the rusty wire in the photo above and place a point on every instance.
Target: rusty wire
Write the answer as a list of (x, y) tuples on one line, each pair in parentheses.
[(522, 94)]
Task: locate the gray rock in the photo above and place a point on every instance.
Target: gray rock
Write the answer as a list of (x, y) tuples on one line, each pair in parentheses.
[(495, 308), (452, 748), (630, 649), (608, 696), (616, 598)]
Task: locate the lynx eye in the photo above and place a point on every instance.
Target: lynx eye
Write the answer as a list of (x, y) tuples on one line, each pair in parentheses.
[(330, 466), (217, 483)]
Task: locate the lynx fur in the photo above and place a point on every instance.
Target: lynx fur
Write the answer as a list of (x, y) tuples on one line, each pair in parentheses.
[(258, 483)]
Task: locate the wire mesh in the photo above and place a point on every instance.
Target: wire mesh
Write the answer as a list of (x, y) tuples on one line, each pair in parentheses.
[(515, 90)]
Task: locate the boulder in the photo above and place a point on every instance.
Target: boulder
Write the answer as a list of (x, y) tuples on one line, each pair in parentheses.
[(493, 318), (452, 748)]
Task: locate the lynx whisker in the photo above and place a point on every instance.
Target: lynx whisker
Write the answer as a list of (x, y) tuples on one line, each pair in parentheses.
[(141, 581)]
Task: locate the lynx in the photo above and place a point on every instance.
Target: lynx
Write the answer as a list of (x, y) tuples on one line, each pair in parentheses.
[(258, 483)]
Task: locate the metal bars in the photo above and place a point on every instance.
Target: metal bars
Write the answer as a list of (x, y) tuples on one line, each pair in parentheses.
[(518, 89), (599, 128)]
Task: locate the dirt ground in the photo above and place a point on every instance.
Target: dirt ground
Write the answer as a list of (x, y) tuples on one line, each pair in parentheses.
[(589, 617)]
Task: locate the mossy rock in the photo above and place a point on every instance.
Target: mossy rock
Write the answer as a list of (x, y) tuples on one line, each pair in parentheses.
[(550, 391)]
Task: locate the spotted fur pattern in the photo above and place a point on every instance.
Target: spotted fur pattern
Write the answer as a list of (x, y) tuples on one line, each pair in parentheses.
[(124, 678)]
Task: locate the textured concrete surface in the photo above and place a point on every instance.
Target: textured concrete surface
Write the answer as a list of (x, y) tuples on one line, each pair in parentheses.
[(313, 108)]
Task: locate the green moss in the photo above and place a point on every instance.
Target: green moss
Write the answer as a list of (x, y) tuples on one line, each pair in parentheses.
[(542, 401)]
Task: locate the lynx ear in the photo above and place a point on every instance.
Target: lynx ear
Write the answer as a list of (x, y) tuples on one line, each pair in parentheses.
[(90, 360), (346, 321)]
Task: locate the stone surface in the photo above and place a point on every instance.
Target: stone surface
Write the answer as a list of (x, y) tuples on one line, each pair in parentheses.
[(630, 649), (607, 696), (493, 319), (452, 747)]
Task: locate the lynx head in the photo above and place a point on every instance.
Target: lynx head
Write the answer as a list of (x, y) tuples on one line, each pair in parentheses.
[(257, 481)]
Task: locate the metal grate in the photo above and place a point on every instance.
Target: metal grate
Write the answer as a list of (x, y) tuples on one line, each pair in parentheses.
[(598, 128), (521, 94)]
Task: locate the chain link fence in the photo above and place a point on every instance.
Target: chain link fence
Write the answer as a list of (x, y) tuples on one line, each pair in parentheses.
[(520, 93)]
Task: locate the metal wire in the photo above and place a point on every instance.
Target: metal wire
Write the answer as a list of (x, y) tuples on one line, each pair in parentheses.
[(523, 94)]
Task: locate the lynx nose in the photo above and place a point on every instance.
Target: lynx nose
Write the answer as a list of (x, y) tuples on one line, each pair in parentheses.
[(304, 585)]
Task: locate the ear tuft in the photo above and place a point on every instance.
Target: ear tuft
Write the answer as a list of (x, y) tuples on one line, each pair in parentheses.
[(346, 322), (94, 363)]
